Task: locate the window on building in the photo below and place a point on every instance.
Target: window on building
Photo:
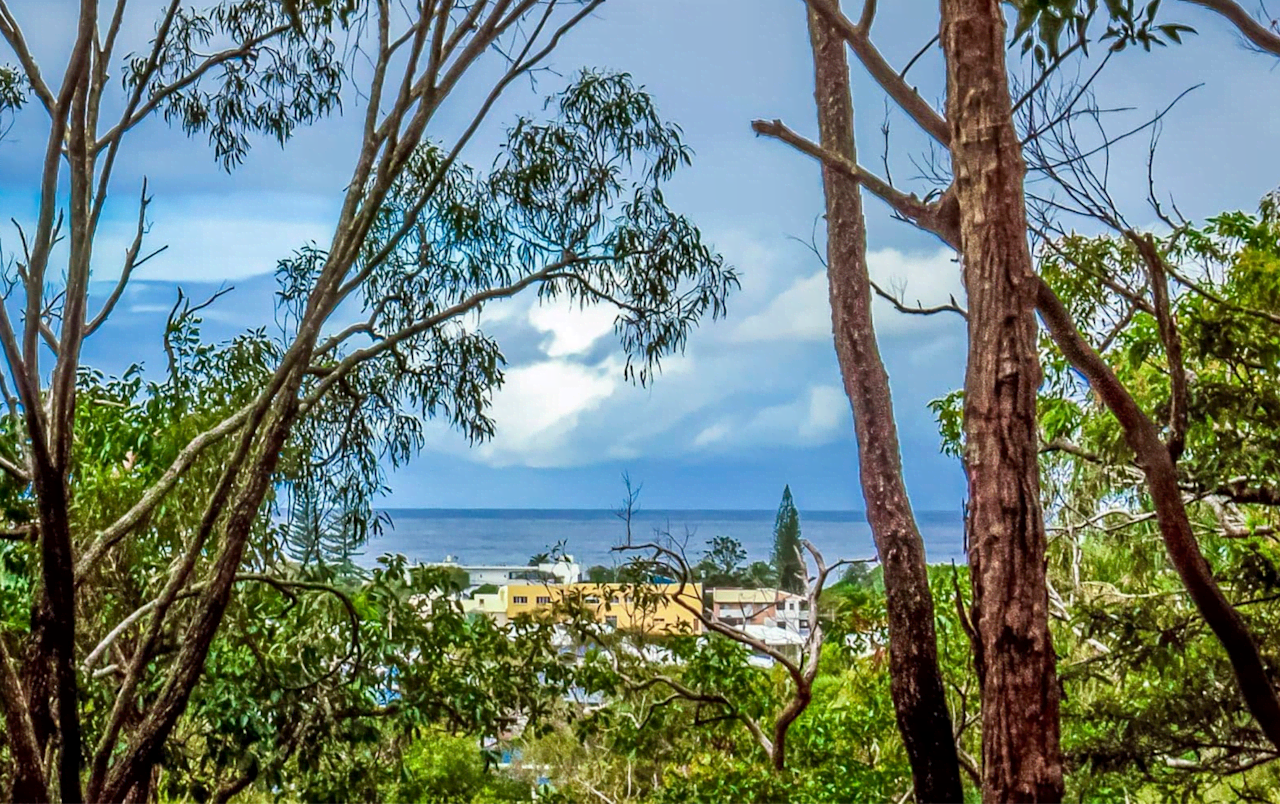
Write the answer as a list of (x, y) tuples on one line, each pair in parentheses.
[(542, 601), (592, 599), (612, 621), (518, 599)]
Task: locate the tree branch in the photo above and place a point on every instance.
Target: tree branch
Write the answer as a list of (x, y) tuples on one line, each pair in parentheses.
[(12, 33), (1262, 37), (939, 217), (154, 495), (920, 309), (131, 262), (1180, 542), (889, 79)]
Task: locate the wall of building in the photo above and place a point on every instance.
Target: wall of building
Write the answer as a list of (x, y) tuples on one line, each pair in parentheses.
[(656, 610)]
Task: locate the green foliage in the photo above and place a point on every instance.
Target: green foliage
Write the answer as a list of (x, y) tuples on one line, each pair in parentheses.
[(949, 412), (722, 565), (293, 82), (1046, 28), (13, 89), (440, 769), (329, 713), (788, 556), (641, 745), (578, 197), (1150, 709)]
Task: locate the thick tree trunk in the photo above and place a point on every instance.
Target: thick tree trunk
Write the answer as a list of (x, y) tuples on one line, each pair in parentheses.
[(915, 680), (1015, 659)]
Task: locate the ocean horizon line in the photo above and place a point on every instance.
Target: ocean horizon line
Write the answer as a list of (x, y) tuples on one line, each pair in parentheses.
[(640, 513)]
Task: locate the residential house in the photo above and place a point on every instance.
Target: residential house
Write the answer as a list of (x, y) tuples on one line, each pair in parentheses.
[(765, 607)]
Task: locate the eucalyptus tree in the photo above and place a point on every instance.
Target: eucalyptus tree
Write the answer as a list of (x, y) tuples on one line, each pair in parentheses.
[(915, 678), (572, 207), (985, 220), (978, 208), (1181, 725)]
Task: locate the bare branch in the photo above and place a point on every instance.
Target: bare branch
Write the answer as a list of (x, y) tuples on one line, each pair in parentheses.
[(919, 54), (920, 309), (131, 262), (889, 79), (939, 217), (1262, 37), (12, 33)]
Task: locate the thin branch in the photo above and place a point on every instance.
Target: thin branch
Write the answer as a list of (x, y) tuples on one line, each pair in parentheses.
[(1262, 37), (952, 307), (133, 117), (889, 79), (1157, 272), (940, 217), (131, 262), (348, 363), (1044, 76), (919, 54), (12, 32)]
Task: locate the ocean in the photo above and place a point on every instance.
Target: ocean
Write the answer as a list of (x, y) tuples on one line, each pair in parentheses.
[(511, 536)]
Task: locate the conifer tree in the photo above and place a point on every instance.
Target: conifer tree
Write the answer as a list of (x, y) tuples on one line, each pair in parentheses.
[(786, 546)]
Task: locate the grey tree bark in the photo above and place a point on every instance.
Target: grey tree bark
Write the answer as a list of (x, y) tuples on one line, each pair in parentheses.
[(915, 680)]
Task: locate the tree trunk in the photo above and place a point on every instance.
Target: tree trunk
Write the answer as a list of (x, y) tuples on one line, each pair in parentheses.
[(915, 680), (1161, 474), (1014, 653)]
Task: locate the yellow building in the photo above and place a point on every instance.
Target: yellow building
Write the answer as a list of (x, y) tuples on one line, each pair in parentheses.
[(649, 607)]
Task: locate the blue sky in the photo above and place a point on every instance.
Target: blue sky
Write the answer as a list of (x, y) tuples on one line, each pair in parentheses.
[(755, 402)]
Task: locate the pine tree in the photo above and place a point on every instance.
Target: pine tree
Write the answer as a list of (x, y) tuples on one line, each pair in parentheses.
[(786, 546)]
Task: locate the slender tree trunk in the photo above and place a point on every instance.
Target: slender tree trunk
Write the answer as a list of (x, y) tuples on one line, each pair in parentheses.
[(915, 680), (1015, 660), (1171, 514)]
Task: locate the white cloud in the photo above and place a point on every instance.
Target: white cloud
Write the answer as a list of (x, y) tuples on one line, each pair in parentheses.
[(714, 434), (828, 414), (818, 416), (538, 408), (802, 312), (572, 330), (733, 388)]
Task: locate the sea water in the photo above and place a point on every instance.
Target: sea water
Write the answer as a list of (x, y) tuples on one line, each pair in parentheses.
[(512, 536)]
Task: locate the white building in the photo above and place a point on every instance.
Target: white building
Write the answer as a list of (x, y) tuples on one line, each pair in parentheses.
[(564, 570)]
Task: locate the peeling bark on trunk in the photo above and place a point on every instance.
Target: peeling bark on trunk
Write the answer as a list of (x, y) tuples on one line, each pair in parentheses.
[(1015, 659), (915, 680)]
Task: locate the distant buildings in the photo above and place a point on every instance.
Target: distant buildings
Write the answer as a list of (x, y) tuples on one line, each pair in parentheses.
[(563, 570), (760, 607), (649, 608), (502, 592)]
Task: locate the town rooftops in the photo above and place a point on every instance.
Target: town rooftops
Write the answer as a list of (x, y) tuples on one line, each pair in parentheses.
[(732, 596)]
